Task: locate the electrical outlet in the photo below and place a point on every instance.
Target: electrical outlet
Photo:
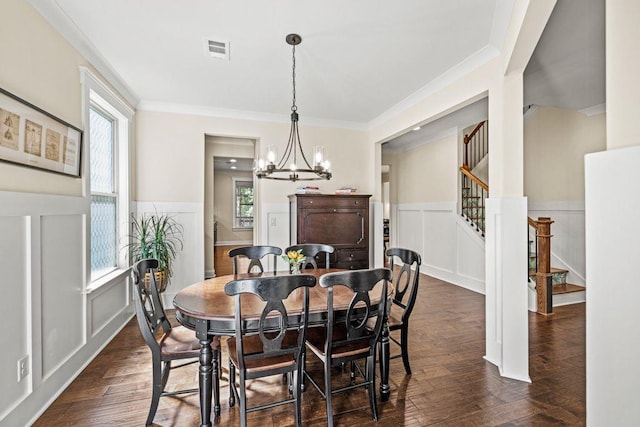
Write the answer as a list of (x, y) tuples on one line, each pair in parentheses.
[(273, 222), (23, 368)]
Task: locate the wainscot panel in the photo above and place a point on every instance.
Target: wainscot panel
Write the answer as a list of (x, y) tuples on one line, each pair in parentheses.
[(450, 249), (62, 303)]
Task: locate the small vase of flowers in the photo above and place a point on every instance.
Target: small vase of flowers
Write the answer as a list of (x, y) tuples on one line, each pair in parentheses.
[(295, 259)]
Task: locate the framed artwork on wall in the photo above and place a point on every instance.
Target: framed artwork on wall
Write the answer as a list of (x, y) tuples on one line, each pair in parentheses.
[(32, 137)]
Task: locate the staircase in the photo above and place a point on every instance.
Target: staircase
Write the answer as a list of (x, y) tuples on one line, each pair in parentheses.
[(474, 189), (550, 282)]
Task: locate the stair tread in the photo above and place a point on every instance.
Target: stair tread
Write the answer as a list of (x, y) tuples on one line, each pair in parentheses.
[(567, 288), (558, 270)]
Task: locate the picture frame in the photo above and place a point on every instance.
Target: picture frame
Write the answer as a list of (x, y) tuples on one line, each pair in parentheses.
[(29, 136)]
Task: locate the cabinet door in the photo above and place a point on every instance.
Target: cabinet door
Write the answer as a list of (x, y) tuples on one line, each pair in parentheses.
[(346, 227)]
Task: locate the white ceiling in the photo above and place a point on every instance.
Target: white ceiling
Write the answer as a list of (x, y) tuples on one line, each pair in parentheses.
[(229, 164), (358, 58)]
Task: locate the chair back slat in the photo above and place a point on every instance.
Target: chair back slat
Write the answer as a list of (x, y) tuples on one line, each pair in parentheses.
[(360, 282), (310, 250), (149, 310), (406, 280), (255, 254), (273, 323)]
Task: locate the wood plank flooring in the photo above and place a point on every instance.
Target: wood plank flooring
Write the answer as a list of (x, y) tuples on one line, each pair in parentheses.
[(451, 384)]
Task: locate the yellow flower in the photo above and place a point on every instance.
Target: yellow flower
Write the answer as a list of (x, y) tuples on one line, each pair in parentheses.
[(293, 254)]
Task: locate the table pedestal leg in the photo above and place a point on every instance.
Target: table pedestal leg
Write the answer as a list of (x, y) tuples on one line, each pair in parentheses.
[(385, 390), (206, 369), (216, 382)]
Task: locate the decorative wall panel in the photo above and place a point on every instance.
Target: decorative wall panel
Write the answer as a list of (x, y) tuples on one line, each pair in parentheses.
[(62, 301), (16, 312)]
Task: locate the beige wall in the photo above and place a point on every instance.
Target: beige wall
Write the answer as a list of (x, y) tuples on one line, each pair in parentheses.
[(39, 66), (223, 207), (555, 143), (427, 173), (175, 144)]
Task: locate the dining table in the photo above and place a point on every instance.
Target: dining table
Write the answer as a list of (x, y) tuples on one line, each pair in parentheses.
[(205, 308)]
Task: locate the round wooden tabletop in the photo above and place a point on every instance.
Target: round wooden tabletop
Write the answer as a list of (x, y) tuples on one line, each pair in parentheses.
[(208, 301)]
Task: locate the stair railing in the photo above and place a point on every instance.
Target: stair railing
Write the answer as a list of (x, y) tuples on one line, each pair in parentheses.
[(542, 253), (474, 194), (476, 145), (474, 191)]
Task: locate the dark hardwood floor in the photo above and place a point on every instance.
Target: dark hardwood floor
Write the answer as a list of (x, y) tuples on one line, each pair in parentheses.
[(451, 384)]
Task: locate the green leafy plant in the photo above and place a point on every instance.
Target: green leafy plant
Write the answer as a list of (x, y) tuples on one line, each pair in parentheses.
[(156, 236)]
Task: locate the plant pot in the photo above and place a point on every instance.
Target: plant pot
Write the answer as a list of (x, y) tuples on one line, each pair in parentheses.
[(162, 280)]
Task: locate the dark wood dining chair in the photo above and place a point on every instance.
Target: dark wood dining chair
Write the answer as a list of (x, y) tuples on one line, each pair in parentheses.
[(175, 343), (347, 339), (255, 254), (310, 251), (406, 282), (267, 346)]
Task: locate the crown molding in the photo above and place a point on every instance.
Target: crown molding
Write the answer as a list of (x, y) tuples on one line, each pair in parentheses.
[(458, 71), (64, 25), (201, 110)]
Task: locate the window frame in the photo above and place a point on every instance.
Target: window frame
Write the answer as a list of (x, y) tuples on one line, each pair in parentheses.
[(99, 96), (234, 187)]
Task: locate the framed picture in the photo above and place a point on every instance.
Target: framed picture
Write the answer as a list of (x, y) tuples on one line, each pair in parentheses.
[(30, 136)]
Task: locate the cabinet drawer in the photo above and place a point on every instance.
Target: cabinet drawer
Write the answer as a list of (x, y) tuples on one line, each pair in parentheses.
[(352, 265), (348, 255), (331, 202)]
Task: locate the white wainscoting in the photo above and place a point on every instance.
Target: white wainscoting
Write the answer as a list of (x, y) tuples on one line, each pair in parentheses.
[(451, 250), (49, 315), (568, 241), (189, 264)]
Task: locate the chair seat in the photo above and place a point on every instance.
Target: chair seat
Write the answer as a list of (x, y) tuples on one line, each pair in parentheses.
[(252, 344), (182, 341), (394, 321), (316, 338)]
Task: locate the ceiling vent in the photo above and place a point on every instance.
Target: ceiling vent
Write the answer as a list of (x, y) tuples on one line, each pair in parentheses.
[(218, 49)]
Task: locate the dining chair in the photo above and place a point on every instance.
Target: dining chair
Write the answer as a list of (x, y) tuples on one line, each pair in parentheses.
[(347, 339), (255, 254), (406, 283), (268, 346), (175, 343), (310, 250)]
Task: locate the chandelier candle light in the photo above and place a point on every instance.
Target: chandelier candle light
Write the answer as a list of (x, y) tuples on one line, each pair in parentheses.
[(288, 168)]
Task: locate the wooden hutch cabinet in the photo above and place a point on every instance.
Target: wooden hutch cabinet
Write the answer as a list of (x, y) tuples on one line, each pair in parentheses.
[(341, 221)]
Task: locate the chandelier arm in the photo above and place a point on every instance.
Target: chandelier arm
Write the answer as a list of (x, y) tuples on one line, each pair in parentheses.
[(302, 152), (287, 151)]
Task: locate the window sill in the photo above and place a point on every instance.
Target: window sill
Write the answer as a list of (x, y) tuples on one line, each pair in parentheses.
[(235, 229), (114, 276)]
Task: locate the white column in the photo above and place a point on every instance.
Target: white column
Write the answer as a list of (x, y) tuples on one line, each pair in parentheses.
[(506, 233)]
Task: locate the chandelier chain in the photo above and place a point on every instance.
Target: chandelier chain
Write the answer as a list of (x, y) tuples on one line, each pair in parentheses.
[(294, 107)]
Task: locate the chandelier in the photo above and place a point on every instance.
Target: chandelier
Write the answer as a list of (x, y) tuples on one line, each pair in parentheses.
[(288, 167)]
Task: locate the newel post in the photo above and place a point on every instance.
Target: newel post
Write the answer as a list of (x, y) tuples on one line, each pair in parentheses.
[(543, 273)]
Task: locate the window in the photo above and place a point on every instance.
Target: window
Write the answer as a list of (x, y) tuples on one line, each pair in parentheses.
[(242, 203), (104, 192), (107, 126)]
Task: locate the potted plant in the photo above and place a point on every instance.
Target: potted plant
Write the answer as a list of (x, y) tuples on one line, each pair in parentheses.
[(156, 236)]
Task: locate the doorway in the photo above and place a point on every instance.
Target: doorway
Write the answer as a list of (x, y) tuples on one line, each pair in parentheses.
[(229, 200)]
